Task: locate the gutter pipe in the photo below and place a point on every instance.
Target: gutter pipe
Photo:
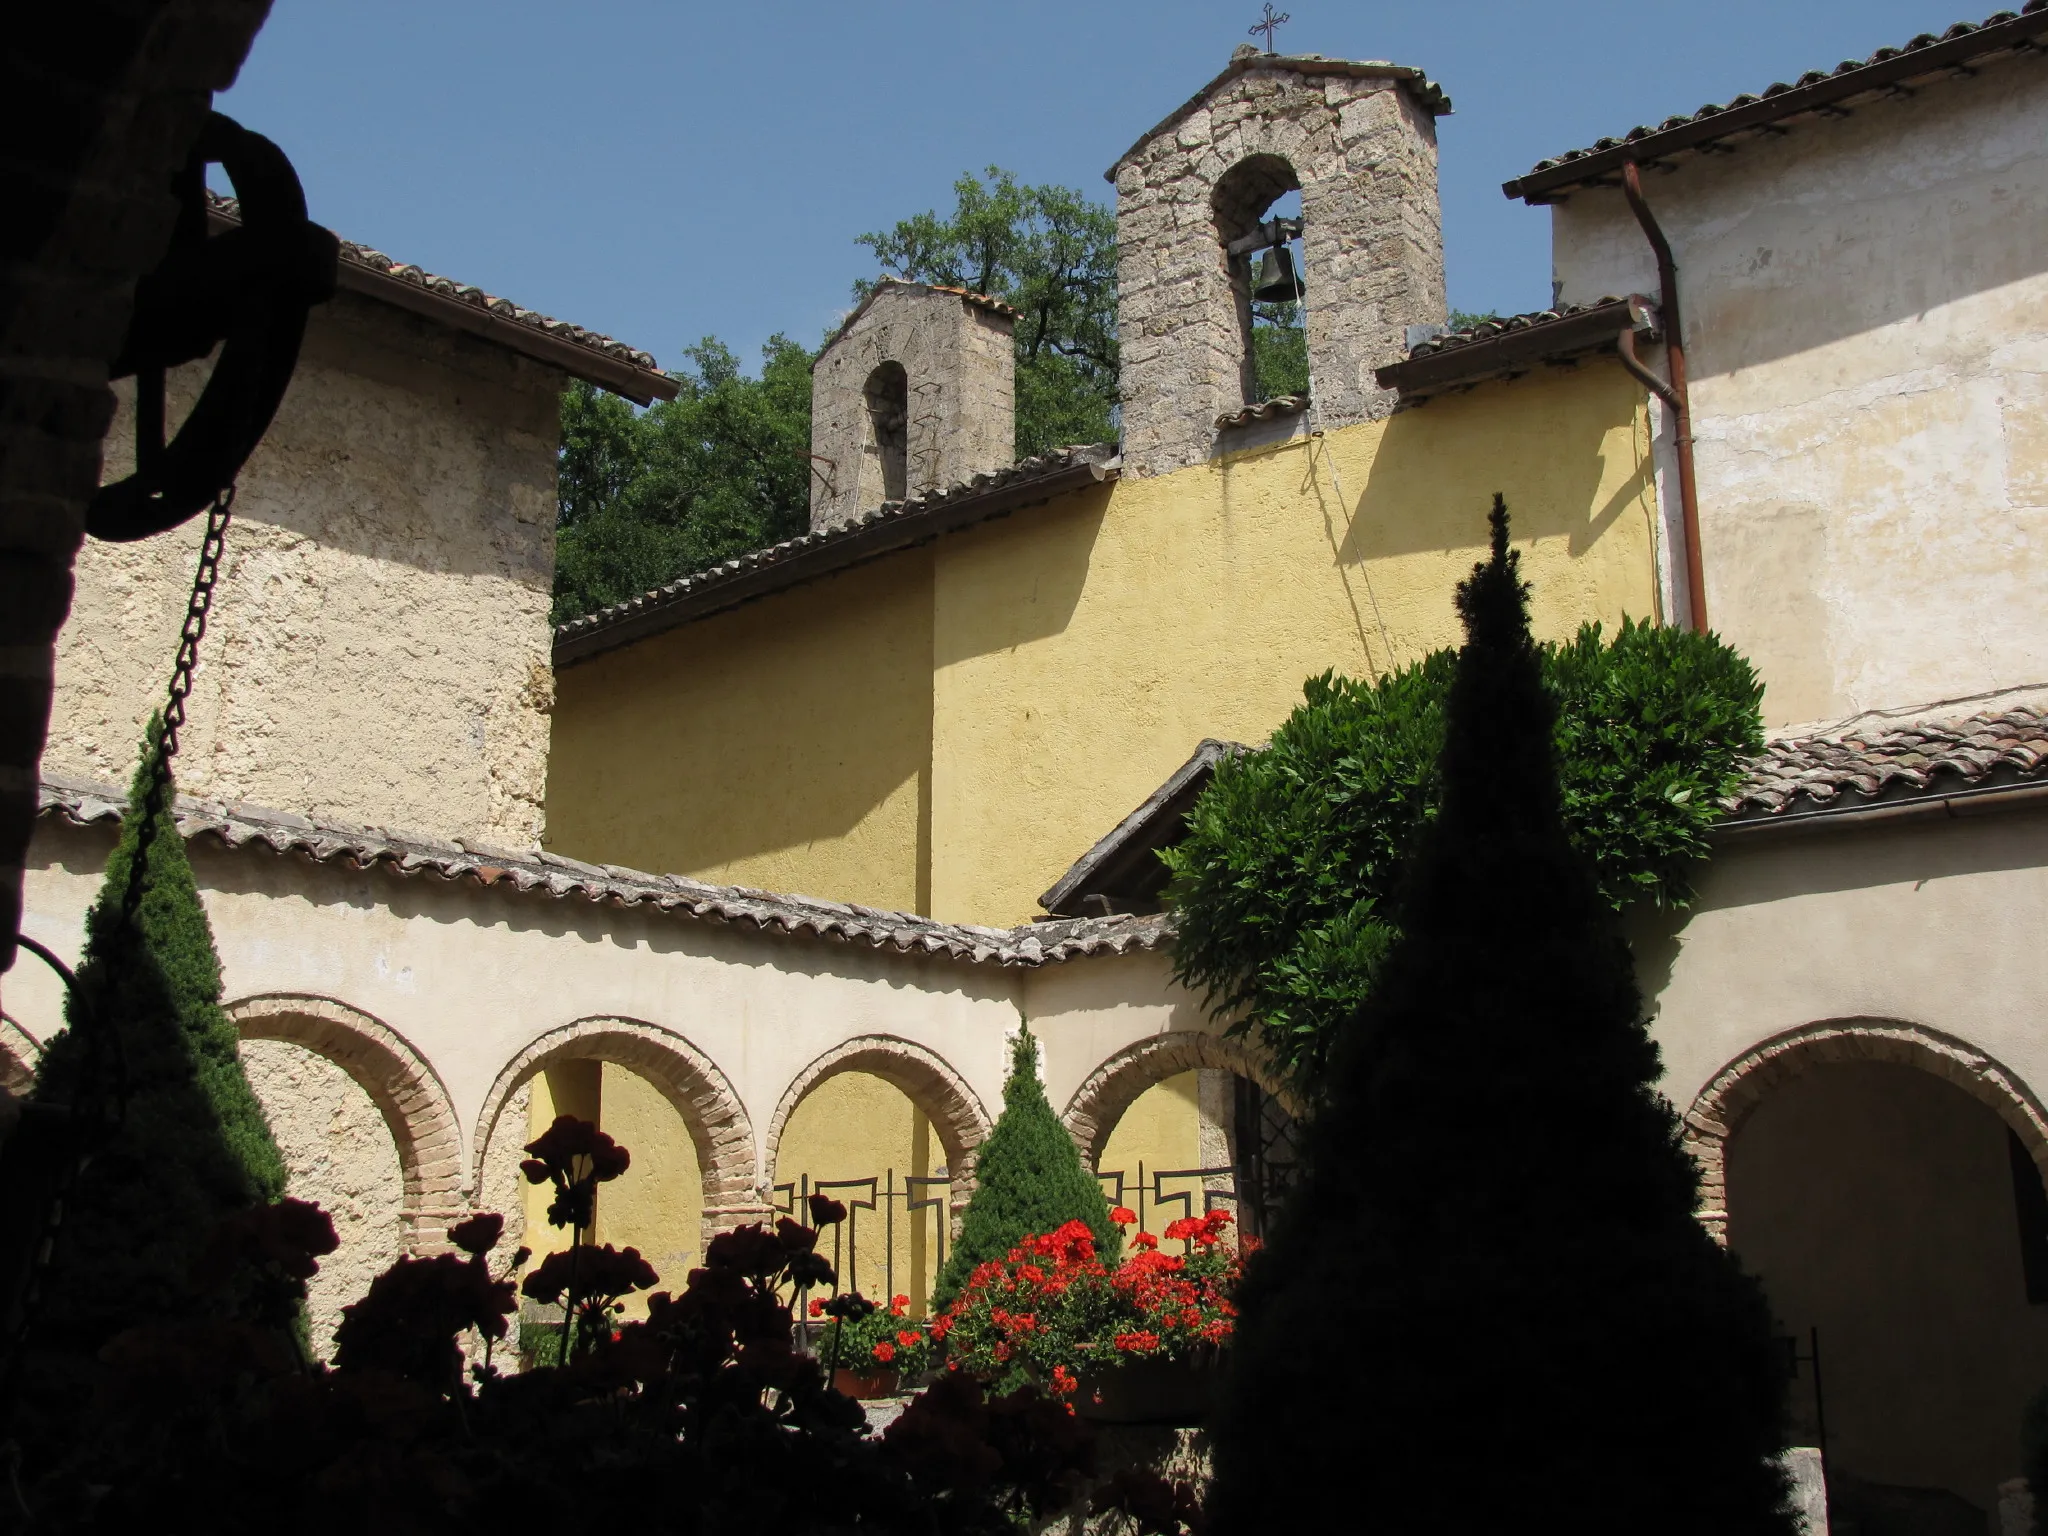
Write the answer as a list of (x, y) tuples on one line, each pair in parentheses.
[(1674, 394)]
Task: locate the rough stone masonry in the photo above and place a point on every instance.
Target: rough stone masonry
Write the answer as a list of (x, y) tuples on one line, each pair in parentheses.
[(1359, 142)]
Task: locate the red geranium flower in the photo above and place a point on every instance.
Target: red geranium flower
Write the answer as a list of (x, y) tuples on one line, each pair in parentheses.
[(885, 1351), (1124, 1216)]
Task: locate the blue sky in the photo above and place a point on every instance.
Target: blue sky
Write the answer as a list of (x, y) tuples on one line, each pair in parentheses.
[(661, 170)]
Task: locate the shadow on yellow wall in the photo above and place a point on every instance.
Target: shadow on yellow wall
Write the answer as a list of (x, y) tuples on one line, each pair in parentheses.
[(947, 729)]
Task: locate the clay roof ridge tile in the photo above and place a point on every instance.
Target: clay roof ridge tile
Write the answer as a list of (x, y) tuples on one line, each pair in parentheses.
[(1811, 77)]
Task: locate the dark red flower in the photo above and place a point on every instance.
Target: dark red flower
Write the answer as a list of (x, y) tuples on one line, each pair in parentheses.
[(850, 1305), (478, 1235), (751, 1250), (291, 1235), (794, 1236), (825, 1212)]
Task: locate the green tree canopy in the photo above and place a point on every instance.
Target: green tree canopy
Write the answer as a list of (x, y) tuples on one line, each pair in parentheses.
[(1499, 1199), (1028, 1178), (647, 496), (1050, 252), (1285, 886)]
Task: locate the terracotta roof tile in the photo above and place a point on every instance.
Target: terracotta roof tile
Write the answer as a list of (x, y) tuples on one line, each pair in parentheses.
[(1811, 773), (535, 872), (364, 258), (894, 525), (1264, 410), (1818, 90)]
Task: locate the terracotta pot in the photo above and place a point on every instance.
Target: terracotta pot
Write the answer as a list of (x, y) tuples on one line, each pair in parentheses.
[(1178, 1393), (879, 1381)]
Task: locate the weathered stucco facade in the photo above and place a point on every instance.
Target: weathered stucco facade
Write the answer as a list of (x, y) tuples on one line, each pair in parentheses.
[(918, 390), (378, 649), (1359, 143), (1866, 314)]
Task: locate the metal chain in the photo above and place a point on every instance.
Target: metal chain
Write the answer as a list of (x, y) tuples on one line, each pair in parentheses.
[(197, 607)]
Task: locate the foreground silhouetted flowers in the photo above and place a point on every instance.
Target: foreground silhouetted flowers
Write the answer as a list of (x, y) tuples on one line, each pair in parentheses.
[(704, 1416)]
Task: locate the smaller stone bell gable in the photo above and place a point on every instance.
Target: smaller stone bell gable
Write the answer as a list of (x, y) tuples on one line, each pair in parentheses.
[(917, 391), (1358, 140)]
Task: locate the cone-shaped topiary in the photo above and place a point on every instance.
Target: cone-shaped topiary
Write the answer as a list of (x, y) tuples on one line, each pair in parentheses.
[(1028, 1178), (1497, 1208), (193, 1145)]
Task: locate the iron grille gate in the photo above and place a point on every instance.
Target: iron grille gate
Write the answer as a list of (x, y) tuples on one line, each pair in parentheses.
[(883, 1196)]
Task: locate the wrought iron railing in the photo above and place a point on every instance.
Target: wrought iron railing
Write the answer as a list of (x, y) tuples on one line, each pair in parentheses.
[(896, 1203)]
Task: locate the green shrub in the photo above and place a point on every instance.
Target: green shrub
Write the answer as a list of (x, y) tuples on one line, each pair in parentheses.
[(1501, 1201), (1284, 886), (193, 1146), (1028, 1179)]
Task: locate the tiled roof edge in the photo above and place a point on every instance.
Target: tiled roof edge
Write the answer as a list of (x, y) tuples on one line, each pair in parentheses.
[(1802, 778), (1425, 90), (1191, 775), (893, 526), (84, 803), (1986, 761), (584, 353), (1515, 343), (885, 282), (1815, 91)]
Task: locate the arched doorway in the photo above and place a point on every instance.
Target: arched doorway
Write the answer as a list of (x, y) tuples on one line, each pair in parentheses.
[(692, 1146), (1882, 1181), (890, 1130), (1185, 1122), (367, 1132)]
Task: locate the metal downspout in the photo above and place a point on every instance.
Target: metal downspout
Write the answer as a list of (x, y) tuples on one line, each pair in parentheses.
[(1675, 394)]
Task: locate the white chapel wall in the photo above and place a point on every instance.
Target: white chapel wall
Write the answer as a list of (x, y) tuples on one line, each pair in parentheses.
[(1866, 316)]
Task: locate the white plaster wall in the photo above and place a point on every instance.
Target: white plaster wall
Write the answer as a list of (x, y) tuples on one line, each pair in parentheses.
[(1866, 318), (1937, 925), (469, 978), (341, 1157), (379, 645)]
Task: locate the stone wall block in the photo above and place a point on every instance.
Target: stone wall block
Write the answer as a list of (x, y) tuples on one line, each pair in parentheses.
[(959, 405), (1373, 250)]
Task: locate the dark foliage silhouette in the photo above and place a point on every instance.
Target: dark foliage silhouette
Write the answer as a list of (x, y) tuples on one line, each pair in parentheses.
[(1538, 1325)]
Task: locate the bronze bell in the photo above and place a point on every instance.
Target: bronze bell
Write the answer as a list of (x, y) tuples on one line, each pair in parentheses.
[(1276, 282)]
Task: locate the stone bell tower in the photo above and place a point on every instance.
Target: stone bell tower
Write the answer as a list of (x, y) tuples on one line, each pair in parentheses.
[(1358, 140), (916, 391)]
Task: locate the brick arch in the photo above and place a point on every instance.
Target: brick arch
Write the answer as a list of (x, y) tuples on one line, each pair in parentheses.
[(411, 1098), (718, 1124), (1114, 1086), (924, 1078), (19, 1053), (1739, 1087)]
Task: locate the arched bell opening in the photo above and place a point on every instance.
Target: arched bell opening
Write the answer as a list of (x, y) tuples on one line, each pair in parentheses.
[(884, 458), (1258, 216)]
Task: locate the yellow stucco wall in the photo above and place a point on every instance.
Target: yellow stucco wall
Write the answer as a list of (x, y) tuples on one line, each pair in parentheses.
[(947, 729), (656, 1204), (1162, 1130), (856, 1126), (782, 745), (1081, 653)]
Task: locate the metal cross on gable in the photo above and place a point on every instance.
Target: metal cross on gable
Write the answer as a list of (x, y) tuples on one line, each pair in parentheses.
[(1268, 25)]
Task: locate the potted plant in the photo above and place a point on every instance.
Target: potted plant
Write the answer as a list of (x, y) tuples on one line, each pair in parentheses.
[(1139, 1342), (870, 1350)]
